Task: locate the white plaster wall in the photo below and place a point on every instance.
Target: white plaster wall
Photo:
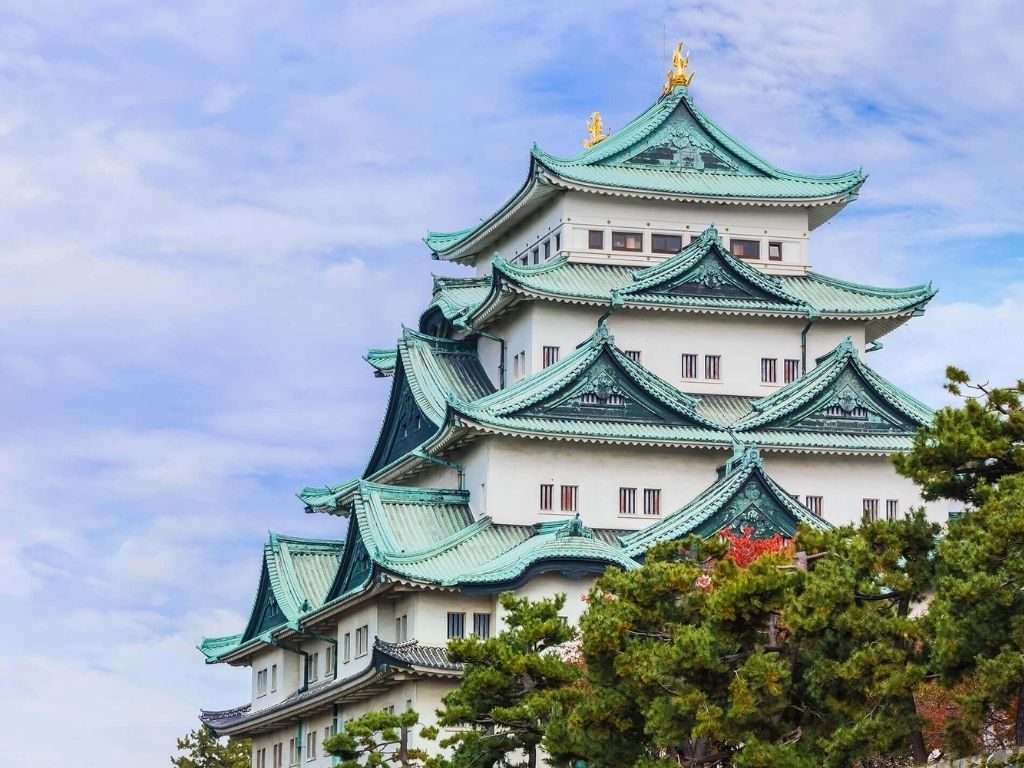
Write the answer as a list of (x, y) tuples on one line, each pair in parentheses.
[(844, 482), (288, 676), (551, 584), (523, 237), (520, 466), (431, 614), (368, 614)]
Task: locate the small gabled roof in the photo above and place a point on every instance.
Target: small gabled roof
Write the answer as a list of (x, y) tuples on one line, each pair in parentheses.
[(670, 151), (597, 391), (295, 578), (838, 380), (453, 296), (743, 496), (382, 361)]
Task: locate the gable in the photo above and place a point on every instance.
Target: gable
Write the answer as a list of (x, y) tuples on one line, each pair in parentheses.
[(755, 506), (266, 613), (711, 277), (356, 565), (405, 425)]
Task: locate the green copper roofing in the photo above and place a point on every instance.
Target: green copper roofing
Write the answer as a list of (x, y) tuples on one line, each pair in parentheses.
[(672, 149), (326, 497), (454, 295), (702, 277), (743, 497), (383, 361), (840, 394), (295, 577), (596, 391)]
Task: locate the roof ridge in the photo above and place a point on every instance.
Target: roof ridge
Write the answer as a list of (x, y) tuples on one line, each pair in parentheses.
[(865, 289)]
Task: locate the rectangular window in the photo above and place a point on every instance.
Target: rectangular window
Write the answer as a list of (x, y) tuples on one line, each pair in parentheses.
[(791, 370), (870, 510), (694, 238), (312, 665), (627, 241), (293, 755), (689, 366), (346, 647), (595, 239), (273, 677), (311, 744), (362, 640), (546, 492), (261, 683), (536, 255), (558, 242), (652, 501), (627, 501), (278, 755), (666, 243), (813, 504), (713, 367), (892, 509), (569, 498), (633, 354), (482, 625), (769, 370), (774, 251), (330, 659), (745, 249), (547, 250), (550, 356), (456, 625), (402, 628), (261, 758)]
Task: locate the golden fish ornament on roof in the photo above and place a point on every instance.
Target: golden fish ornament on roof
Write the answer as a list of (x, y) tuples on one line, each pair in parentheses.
[(594, 129), (678, 74)]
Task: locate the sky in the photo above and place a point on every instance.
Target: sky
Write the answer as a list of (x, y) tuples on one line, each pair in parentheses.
[(208, 211)]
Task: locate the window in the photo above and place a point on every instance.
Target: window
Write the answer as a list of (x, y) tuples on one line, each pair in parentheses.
[(633, 354), (595, 239), (550, 356), (519, 364), (592, 398), (563, 620), (456, 625), (627, 501), (666, 243), (813, 504), (713, 367), (569, 497), (870, 510), (547, 250), (627, 241), (402, 628), (346, 647), (293, 755), (312, 665), (774, 251), (389, 709), (745, 249), (689, 366), (652, 501), (694, 238), (791, 370), (482, 625), (892, 508), (273, 677), (535, 253), (330, 659), (279, 755), (546, 492), (769, 370), (311, 744), (261, 758), (558, 242), (261, 683), (362, 640)]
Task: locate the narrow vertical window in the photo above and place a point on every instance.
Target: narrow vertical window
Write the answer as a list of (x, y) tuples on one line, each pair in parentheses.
[(769, 370), (689, 366), (652, 501), (311, 744), (569, 498), (273, 678), (791, 370), (546, 492), (774, 251), (547, 250), (456, 625), (330, 660), (346, 647), (558, 242), (535, 253), (813, 504), (892, 509), (292, 752), (713, 367), (627, 501), (870, 510), (482, 625), (633, 354), (595, 239), (312, 665), (550, 356)]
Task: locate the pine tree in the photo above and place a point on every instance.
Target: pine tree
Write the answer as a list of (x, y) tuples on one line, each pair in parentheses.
[(204, 750), (381, 739)]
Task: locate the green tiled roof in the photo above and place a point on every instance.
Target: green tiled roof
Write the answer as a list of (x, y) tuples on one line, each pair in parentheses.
[(454, 295), (382, 360), (295, 578), (704, 276), (675, 150), (744, 496)]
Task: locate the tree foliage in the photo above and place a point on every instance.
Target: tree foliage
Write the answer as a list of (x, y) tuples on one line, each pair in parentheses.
[(380, 739), (204, 750), (511, 684)]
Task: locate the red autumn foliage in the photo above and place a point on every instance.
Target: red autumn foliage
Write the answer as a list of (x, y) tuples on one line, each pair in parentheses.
[(744, 549)]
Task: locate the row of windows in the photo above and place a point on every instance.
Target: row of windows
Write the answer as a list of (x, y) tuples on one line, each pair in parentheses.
[(870, 508), (265, 676), (661, 243), (712, 366), (362, 643), (535, 255), (457, 625), (627, 499), (652, 501), (313, 663), (770, 370), (295, 747), (569, 497)]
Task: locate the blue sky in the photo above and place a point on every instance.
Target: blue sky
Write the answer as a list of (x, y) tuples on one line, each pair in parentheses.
[(208, 211)]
